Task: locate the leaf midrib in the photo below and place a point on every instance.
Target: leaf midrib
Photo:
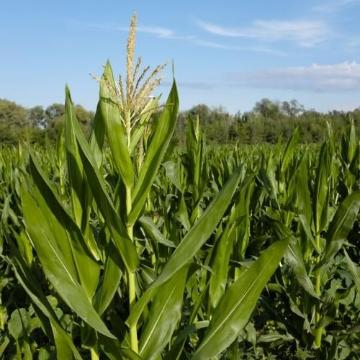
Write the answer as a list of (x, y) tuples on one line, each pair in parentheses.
[(238, 304)]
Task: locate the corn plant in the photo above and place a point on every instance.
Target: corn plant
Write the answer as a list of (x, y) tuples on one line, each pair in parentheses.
[(318, 220), (123, 272), (118, 245), (275, 198)]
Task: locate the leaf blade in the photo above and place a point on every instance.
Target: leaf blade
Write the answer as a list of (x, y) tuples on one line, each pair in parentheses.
[(238, 302)]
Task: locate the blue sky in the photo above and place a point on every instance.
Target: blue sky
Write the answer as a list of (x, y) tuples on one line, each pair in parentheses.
[(229, 53)]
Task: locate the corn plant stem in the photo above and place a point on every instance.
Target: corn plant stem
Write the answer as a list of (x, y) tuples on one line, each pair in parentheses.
[(132, 298), (318, 329), (94, 355), (131, 279)]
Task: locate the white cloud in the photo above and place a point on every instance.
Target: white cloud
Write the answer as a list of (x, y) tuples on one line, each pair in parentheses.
[(166, 33), (216, 45), (303, 32), (352, 44), (157, 31), (326, 78), (334, 6)]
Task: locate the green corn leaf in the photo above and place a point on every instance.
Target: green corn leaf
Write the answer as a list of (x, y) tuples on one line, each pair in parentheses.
[(76, 253), (154, 155), (115, 129), (290, 149), (143, 121), (295, 259), (182, 214), (97, 185), (153, 232), (201, 231), (354, 270), (243, 216), (341, 225), (65, 348), (322, 188), (268, 178), (238, 303), (4, 342), (114, 350), (25, 247), (191, 243), (181, 336), (97, 136), (172, 170), (165, 313), (110, 281), (74, 165), (349, 143), (119, 235), (196, 151), (55, 262), (220, 266), (299, 188), (19, 323), (136, 137), (80, 193)]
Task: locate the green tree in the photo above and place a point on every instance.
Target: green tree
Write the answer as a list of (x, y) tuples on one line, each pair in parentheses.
[(267, 109)]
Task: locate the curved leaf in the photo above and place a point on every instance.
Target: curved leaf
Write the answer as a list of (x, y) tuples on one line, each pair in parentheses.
[(115, 129), (154, 155), (68, 236), (165, 313), (55, 262), (238, 303), (97, 185), (341, 224), (63, 342), (191, 243)]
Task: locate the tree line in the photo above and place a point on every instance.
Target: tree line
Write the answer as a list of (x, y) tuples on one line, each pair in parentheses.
[(268, 121), (36, 124)]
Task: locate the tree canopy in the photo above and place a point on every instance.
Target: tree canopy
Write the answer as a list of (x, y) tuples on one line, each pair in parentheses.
[(269, 121)]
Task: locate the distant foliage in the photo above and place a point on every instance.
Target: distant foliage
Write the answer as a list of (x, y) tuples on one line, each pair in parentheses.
[(36, 124), (268, 122)]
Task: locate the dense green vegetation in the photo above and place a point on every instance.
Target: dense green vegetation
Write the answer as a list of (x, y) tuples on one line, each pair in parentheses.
[(224, 224), (268, 122), (116, 244)]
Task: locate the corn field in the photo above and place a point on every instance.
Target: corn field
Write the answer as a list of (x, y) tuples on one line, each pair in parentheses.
[(122, 246)]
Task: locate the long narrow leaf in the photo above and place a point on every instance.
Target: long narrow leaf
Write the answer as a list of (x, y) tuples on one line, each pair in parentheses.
[(54, 265), (191, 243), (115, 129), (238, 303), (341, 224), (164, 316), (120, 237), (86, 267), (155, 153)]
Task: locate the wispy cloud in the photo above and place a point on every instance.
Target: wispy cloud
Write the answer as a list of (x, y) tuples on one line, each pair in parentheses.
[(352, 45), (314, 78), (169, 34), (326, 78), (216, 45), (194, 85), (302, 32), (158, 31), (334, 6)]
